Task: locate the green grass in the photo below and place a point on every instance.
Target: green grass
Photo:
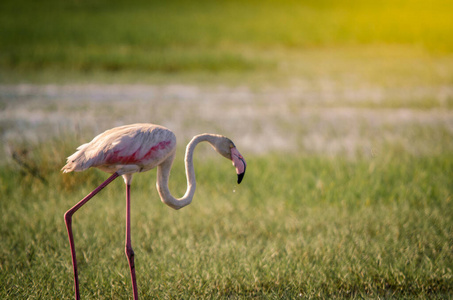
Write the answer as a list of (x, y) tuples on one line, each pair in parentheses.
[(298, 226), (205, 36)]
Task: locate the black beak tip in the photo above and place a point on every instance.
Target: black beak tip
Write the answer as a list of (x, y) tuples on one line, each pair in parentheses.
[(240, 176)]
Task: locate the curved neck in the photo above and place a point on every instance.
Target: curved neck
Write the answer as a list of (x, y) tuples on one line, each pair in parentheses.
[(163, 174)]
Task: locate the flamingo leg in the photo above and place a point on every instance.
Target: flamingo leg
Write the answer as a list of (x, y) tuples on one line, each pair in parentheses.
[(68, 221), (128, 249)]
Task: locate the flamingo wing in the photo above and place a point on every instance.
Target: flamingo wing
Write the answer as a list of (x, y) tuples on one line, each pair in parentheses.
[(144, 145)]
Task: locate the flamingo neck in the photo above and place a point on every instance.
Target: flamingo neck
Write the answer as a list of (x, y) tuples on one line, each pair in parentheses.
[(163, 174)]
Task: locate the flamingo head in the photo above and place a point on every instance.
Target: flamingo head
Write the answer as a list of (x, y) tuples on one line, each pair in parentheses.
[(226, 148)]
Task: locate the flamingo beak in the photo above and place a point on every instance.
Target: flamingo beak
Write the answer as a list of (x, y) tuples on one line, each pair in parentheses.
[(239, 163)]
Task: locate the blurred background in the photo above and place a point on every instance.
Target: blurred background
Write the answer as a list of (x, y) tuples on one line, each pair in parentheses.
[(342, 109), (321, 68)]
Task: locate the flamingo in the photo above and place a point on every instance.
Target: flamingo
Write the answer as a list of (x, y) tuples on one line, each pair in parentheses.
[(135, 148)]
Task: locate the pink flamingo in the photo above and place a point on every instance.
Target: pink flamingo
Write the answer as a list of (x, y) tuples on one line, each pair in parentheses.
[(134, 148)]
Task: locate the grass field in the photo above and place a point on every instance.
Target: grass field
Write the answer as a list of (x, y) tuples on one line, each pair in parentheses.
[(343, 111), (298, 226)]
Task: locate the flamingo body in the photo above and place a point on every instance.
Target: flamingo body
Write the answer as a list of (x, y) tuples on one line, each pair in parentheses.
[(126, 149), (134, 148)]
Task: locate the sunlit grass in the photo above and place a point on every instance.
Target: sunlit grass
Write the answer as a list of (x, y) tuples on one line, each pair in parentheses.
[(188, 36)]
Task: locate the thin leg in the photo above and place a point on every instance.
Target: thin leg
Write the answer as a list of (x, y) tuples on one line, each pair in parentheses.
[(68, 221), (128, 250)]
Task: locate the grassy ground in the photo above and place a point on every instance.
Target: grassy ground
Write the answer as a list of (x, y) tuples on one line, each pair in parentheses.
[(298, 226), (343, 111)]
